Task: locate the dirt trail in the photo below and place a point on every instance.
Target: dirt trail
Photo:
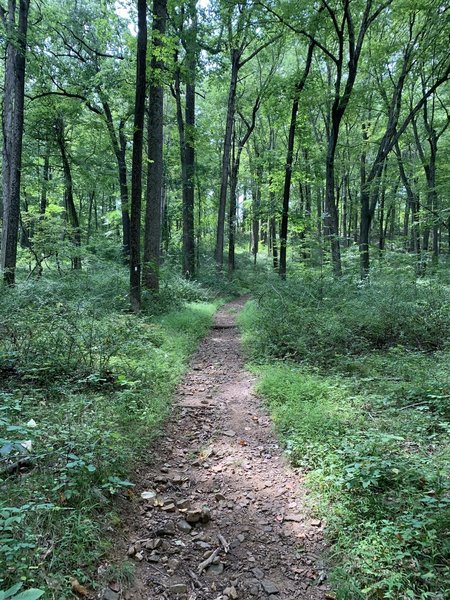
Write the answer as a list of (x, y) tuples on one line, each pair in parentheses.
[(222, 486)]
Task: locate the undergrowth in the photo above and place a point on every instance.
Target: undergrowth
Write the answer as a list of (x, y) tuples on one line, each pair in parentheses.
[(360, 394), (85, 386)]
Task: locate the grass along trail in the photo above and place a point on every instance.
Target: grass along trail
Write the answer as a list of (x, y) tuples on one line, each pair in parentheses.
[(224, 515)]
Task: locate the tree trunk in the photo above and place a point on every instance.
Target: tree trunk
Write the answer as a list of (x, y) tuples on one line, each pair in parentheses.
[(331, 219), (287, 188), (188, 257), (45, 180), (381, 233), (220, 233), (69, 203), (273, 236), (13, 114), (236, 155), (153, 213), (136, 174), (412, 203), (256, 203), (232, 217), (288, 168), (89, 225), (119, 145)]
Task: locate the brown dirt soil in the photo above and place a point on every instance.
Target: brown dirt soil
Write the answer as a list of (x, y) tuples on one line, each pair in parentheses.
[(219, 488)]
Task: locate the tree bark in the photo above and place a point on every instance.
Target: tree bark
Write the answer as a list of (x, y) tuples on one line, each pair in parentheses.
[(16, 26), (236, 155), (136, 173), (188, 257), (287, 188), (119, 145), (153, 214), (289, 158), (231, 105), (45, 181), (69, 203)]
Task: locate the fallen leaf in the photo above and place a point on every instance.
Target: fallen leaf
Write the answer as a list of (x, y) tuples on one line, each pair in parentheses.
[(79, 589), (148, 495)]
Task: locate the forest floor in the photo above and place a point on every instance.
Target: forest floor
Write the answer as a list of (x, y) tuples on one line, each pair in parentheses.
[(218, 512)]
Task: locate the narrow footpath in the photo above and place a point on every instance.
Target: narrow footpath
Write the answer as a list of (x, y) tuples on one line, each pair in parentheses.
[(220, 514)]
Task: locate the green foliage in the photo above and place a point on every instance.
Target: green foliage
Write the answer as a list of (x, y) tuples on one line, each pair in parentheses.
[(321, 319), (85, 388), (244, 280), (12, 593), (369, 424)]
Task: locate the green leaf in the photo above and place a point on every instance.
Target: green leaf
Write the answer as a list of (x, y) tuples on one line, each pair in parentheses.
[(12, 590), (32, 594)]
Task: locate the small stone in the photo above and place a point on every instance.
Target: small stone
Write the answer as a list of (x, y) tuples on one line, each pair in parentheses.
[(167, 529), (109, 594), (183, 504), (168, 507), (173, 564), (270, 587), (184, 526), (229, 433), (230, 592), (193, 516), (258, 573), (154, 557), (293, 518), (203, 545), (254, 590), (148, 495), (178, 588), (215, 569), (316, 522), (206, 515)]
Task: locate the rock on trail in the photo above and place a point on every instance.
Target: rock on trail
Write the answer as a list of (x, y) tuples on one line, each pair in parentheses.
[(219, 514)]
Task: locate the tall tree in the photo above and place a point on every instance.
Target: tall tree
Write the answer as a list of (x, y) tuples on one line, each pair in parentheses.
[(15, 21), (239, 24), (136, 173), (187, 70), (289, 157), (152, 237), (69, 203), (420, 27), (87, 64)]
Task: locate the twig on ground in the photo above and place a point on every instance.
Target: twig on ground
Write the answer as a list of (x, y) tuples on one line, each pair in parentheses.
[(224, 543), (202, 566)]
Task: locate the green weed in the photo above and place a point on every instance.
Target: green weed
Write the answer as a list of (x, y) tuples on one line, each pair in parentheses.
[(364, 411), (85, 388)]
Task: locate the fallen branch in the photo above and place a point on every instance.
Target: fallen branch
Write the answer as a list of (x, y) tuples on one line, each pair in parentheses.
[(202, 566), (16, 466), (224, 543)]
